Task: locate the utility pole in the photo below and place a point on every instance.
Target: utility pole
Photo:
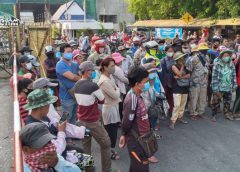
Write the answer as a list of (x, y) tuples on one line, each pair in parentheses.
[(16, 12)]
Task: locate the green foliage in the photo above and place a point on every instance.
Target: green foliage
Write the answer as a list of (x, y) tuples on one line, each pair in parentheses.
[(55, 32), (165, 9)]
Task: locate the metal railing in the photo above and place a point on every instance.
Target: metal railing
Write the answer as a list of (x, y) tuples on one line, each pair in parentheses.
[(18, 156)]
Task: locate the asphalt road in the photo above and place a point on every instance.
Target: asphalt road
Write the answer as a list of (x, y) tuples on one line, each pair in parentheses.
[(200, 146)]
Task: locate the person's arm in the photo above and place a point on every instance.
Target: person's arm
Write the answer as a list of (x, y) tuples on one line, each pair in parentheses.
[(73, 77), (73, 131), (60, 142), (120, 76), (177, 72), (128, 114), (99, 95), (109, 90), (46, 66)]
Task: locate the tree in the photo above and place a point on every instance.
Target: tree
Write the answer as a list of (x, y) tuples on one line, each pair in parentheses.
[(162, 9)]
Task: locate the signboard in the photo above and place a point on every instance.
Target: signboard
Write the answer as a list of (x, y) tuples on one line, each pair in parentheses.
[(8, 1), (187, 18), (163, 33), (8, 20)]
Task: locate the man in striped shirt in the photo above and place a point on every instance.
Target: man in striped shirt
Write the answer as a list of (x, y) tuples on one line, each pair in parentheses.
[(88, 96)]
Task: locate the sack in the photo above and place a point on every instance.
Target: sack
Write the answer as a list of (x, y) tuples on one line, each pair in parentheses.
[(148, 142), (183, 82)]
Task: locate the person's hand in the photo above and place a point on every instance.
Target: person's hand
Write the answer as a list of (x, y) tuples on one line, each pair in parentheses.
[(50, 159), (62, 126), (122, 141), (176, 77), (218, 94)]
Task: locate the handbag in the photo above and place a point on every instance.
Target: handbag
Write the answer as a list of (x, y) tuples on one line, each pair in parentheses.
[(148, 142), (183, 82)]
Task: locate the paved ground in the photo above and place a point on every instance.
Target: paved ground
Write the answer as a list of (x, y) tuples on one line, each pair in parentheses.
[(6, 127), (200, 146)]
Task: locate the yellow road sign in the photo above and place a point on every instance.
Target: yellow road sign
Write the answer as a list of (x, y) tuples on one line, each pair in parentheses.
[(187, 18)]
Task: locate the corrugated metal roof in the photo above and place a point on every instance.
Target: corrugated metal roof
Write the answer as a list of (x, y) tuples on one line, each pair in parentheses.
[(181, 23), (61, 10)]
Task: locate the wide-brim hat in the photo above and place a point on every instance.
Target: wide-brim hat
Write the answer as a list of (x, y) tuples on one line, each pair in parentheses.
[(39, 98), (178, 55), (117, 57), (225, 51), (203, 46)]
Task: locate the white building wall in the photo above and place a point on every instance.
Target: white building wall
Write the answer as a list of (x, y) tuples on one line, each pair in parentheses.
[(115, 7), (74, 9)]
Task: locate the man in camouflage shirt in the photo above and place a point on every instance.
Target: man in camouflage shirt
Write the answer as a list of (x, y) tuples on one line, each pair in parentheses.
[(198, 82)]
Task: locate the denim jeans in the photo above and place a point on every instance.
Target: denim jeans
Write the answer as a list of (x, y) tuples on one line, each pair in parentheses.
[(70, 106)]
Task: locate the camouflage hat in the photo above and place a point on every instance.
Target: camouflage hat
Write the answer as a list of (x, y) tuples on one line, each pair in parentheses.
[(39, 98)]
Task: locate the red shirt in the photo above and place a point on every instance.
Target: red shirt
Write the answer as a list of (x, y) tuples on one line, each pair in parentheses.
[(23, 112), (135, 115)]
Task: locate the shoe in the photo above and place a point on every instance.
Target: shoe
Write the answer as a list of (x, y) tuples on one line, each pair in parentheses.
[(153, 159), (229, 117), (171, 126), (194, 118), (214, 119), (201, 117), (182, 121)]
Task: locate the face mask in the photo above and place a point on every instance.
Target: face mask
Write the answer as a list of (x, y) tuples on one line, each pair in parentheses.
[(193, 46), (146, 87), (185, 50), (50, 91), (170, 54), (29, 66), (93, 75), (111, 70), (50, 55), (215, 46), (101, 50), (153, 52), (204, 52), (161, 48), (226, 59), (27, 53), (58, 54), (151, 76), (68, 56)]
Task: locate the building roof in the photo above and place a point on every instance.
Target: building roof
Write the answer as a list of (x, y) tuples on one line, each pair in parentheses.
[(180, 23), (62, 9)]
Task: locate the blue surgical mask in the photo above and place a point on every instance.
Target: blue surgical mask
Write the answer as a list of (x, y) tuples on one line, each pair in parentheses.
[(146, 87), (68, 56), (93, 75), (58, 54), (226, 59), (151, 76), (50, 91), (161, 48)]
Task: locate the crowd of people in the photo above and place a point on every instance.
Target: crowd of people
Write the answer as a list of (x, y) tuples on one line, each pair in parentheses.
[(121, 82)]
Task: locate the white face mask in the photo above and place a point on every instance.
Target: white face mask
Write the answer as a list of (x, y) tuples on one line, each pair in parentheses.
[(170, 54), (101, 50), (29, 66), (27, 53), (185, 50)]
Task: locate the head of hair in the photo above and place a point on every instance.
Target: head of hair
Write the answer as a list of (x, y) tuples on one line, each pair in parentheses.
[(23, 84), (105, 63), (136, 75), (168, 47), (98, 62), (62, 47)]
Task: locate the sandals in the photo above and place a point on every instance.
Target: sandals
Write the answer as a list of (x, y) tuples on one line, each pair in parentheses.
[(114, 155)]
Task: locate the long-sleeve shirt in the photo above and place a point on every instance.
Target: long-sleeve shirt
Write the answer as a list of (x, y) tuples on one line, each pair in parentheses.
[(134, 115), (88, 96), (120, 79), (60, 141), (223, 77)]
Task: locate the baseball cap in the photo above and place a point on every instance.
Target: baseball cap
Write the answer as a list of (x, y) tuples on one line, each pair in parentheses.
[(86, 66), (33, 60), (43, 82), (24, 59), (35, 135)]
